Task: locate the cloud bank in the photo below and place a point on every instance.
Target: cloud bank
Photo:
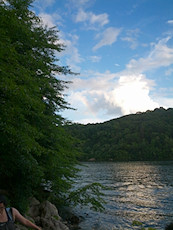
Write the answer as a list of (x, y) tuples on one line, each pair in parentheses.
[(125, 92), (96, 95)]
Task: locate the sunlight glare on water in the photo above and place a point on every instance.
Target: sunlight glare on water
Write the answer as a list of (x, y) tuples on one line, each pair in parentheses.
[(138, 191)]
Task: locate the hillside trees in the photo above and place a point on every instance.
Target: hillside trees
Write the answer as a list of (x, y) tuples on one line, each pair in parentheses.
[(136, 137), (34, 148)]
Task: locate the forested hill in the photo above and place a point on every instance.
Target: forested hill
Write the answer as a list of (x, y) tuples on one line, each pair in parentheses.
[(141, 136)]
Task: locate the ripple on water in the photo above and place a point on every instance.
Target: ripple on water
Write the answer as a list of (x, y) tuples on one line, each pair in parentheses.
[(139, 191)]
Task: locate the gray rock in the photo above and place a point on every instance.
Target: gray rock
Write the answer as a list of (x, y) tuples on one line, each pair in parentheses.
[(49, 210), (45, 215), (33, 201), (52, 224), (34, 208)]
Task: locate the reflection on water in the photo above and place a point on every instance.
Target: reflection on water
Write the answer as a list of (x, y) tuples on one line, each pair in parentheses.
[(141, 191)]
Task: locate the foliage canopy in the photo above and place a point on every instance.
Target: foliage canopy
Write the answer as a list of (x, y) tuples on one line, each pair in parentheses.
[(35, 150), (136, 137), (38, 156)]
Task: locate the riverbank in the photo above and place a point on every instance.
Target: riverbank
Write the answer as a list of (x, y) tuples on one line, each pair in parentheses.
[(45, 215)]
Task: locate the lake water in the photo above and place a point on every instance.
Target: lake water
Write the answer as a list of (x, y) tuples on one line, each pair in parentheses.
[(139, 191)]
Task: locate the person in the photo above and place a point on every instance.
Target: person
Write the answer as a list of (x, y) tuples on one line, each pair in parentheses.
[(8, 216), (169, 226)]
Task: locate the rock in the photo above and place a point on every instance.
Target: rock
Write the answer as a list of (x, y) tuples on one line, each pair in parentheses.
[(45, 215), (33, 201), (49, 210), (92, 159), (34, 208), (50, 219), (52, 224)]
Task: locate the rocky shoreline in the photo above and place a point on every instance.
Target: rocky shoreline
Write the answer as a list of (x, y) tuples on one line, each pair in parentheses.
[(45, 215)]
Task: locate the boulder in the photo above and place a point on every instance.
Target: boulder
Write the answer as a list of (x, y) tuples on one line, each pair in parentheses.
[(49, 217), (52, 224), (45, 215), (48, 210), (34, 208)]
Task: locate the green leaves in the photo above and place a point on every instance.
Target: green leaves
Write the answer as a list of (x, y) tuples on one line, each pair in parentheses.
[(34, 146), (88, 195), (145, 136), (37, 153)]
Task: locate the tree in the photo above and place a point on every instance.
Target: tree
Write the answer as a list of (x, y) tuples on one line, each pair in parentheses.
[(144, 136), (34, 147)]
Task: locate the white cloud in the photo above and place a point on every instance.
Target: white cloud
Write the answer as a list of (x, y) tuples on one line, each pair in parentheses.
[(92, 80), (108, 37), (90, 120), (82, 2), (47, 19), (43, 4), (81, 16), (115, 94), (165, 102), (100, 19), (169, 72), (131, 40), (160, 55), (131, 94), (170, 22), (50, 20), (131, 37), (79, 3), (71, 52), (95, 58), (74, 59), (129, 91), (165, 92), (91, 18), (109, 94)]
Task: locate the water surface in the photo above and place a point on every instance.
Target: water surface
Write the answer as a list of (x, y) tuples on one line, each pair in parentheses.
[(139, 191)]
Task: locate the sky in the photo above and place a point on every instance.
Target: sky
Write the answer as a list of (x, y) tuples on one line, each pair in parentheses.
[(122, 50)]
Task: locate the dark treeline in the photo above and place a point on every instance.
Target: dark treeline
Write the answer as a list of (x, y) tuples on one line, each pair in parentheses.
[(136, 137)]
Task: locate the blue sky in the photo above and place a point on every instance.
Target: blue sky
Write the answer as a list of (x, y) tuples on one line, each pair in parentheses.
[(123, 50)]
